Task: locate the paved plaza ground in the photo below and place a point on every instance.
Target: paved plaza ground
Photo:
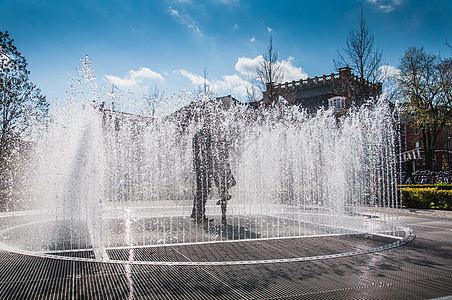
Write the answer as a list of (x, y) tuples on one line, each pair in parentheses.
[(420, 269)]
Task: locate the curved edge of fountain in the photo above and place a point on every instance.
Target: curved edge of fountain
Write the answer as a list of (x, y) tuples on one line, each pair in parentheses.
[(408, 237)]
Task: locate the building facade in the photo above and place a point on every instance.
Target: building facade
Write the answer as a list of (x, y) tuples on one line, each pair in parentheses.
[(339, 91), (412, 155)]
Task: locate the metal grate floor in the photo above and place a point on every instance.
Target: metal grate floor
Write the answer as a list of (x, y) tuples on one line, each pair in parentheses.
[(417, 270)]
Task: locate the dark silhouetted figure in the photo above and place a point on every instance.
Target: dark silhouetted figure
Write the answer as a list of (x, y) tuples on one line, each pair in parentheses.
[(211, 162)]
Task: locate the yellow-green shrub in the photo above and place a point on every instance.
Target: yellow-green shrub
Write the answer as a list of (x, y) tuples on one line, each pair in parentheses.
[(429, 197), (445, 199)]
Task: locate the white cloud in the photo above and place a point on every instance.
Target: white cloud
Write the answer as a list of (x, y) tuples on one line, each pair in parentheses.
[(388, 75), (145, 73), (174, 12), (247, 66), (253, 39), (123, 82), (292, 72), (387, 72), (194, 78), (227, 85), (185, 19), (386, 5), (386, 8), (135, 78), (235, 84), (230, 85), (228, 2)]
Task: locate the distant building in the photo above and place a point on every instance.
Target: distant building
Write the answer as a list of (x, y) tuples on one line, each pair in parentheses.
[(195, 111), (338, 91), (117, 119), (412, 153)]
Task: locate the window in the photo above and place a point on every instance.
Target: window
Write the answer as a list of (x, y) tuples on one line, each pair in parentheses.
[(416, 130), (336, 103)]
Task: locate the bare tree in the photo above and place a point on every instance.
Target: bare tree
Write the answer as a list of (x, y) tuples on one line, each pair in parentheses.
[(425, 82), (252, 91), (269, 71), (152, 98), (361, 53), (206, 88)]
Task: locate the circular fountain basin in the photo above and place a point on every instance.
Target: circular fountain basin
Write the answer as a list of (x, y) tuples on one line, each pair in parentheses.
[(175, 239)]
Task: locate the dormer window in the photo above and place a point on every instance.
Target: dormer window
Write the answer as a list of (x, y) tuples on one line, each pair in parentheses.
[(336, 103)]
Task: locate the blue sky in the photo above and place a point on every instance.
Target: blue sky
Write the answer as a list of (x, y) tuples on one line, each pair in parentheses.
[(141, 44)]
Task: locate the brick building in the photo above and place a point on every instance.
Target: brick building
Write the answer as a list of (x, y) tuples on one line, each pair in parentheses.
[(337, 90), (412, 156)]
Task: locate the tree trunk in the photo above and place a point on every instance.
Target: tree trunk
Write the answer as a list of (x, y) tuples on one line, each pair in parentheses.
[(429, 145)]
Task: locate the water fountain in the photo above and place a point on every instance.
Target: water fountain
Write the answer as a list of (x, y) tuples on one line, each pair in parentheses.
[(104, 185)]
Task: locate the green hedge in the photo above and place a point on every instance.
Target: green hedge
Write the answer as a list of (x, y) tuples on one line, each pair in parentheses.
[(427, 196), (423, 186)]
